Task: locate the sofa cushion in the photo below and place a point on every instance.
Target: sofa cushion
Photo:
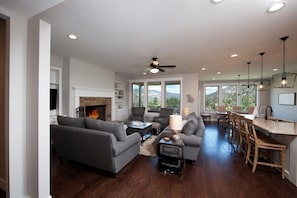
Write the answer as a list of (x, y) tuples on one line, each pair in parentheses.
[(73, 122), (118, 129)]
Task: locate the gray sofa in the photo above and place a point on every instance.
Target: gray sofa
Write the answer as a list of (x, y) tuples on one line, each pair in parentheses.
[(191, 135), (97, 143)]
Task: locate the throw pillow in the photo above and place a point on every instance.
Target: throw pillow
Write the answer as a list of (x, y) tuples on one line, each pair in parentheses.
[(113, 127), (73, 122), (191, 126), (118, 129), (92, 123)]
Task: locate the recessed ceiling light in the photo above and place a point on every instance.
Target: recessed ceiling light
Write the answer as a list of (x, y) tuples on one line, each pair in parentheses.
[(203, 68), (275, 69), (218, 72), (276, 6), (72, 36), (216, 1), (233, 55)]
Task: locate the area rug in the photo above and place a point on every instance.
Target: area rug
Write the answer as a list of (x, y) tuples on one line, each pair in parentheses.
[(147, 148)]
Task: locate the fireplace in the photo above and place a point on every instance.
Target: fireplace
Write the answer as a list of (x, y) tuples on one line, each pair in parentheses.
[(102, 106), (96, 112)]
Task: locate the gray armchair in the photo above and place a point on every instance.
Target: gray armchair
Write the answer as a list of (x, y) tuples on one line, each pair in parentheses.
[(137, 114), (163, 118)]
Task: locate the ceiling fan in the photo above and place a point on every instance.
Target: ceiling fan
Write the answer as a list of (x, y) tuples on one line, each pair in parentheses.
[(155, 67)]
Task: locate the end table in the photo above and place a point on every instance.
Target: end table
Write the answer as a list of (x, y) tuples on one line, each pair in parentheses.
[(171, 156)]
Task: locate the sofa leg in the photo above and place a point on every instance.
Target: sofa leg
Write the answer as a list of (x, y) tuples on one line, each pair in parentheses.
[(115, 175)]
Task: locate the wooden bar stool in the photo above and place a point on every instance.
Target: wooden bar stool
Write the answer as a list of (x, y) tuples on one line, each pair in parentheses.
[(258, 143)]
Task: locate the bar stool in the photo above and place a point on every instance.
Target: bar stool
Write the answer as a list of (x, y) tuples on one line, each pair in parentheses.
[(263, 143)]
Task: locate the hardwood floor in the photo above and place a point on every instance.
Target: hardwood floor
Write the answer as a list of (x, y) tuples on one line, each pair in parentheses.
[(219, 172)]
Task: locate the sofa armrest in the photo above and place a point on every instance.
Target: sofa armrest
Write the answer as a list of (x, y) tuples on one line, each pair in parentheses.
[(191, 140), (121, 146)]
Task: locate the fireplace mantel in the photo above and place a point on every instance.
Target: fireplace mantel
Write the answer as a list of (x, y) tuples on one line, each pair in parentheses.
[(78, 92)]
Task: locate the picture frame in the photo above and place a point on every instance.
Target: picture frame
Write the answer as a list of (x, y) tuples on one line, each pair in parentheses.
[(287, 99)]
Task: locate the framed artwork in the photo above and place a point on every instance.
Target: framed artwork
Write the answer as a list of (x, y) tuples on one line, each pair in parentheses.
[(287, 98)]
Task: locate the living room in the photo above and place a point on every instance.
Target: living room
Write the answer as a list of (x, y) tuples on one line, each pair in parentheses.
[(29, 81)]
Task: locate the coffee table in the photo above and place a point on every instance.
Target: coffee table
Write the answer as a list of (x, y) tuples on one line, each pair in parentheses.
[(143, 128)]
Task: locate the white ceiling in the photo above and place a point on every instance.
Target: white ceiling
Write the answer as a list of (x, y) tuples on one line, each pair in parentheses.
[(123, 35)]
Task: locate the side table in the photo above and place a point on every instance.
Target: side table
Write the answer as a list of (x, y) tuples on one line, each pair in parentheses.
[(171, 156)]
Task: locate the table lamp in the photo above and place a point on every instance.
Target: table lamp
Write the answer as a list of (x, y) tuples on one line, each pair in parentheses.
[(186, 111), (175, 124)]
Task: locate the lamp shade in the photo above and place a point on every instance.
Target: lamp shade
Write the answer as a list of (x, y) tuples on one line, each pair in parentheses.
[(186, 111), (175, 122)]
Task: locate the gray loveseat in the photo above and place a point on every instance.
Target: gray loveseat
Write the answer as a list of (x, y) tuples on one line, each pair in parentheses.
[(191, 135), (97, 143)]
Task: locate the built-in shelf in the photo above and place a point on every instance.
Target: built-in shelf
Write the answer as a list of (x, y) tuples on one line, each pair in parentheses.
[(119, 89)]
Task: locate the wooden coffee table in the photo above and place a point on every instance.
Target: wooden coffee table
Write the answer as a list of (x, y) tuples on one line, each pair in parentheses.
[(143, 128)]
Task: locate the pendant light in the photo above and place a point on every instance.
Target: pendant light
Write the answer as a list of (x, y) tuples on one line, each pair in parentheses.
[(285, 79), (248, 86), (239, 86), (261, 83)]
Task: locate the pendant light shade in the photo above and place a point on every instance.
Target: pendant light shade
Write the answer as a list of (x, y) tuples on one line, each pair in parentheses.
[(261, 83), (285, 79)]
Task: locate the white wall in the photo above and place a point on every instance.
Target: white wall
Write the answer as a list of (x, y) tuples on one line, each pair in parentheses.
[(16, 132), (79, 74), (283, 111), (38, 83), (289, 113)]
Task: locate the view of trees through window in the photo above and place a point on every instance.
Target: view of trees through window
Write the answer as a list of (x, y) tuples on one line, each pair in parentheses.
[(211, 98), (248, 96), (137, 94), (172, 96), (229, 96), (154, 96)]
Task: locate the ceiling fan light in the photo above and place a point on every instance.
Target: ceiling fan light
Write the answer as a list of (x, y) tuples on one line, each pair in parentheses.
[(154, 70)]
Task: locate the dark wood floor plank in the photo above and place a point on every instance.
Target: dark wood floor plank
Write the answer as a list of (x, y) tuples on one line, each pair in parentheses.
[(219, 172)]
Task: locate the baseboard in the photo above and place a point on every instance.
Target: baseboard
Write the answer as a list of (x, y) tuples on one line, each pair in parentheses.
[(2, 184)]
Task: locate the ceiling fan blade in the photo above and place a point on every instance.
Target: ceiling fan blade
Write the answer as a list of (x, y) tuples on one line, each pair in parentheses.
[(167, 66), (161, 70)]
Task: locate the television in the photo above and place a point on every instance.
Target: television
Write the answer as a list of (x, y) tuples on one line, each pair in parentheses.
[(53, 99)]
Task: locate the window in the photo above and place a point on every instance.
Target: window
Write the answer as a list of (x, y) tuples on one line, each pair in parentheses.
[(137, 94), (172, 95), (154, 96), (248, 96), (211, 98), (229, 96)]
